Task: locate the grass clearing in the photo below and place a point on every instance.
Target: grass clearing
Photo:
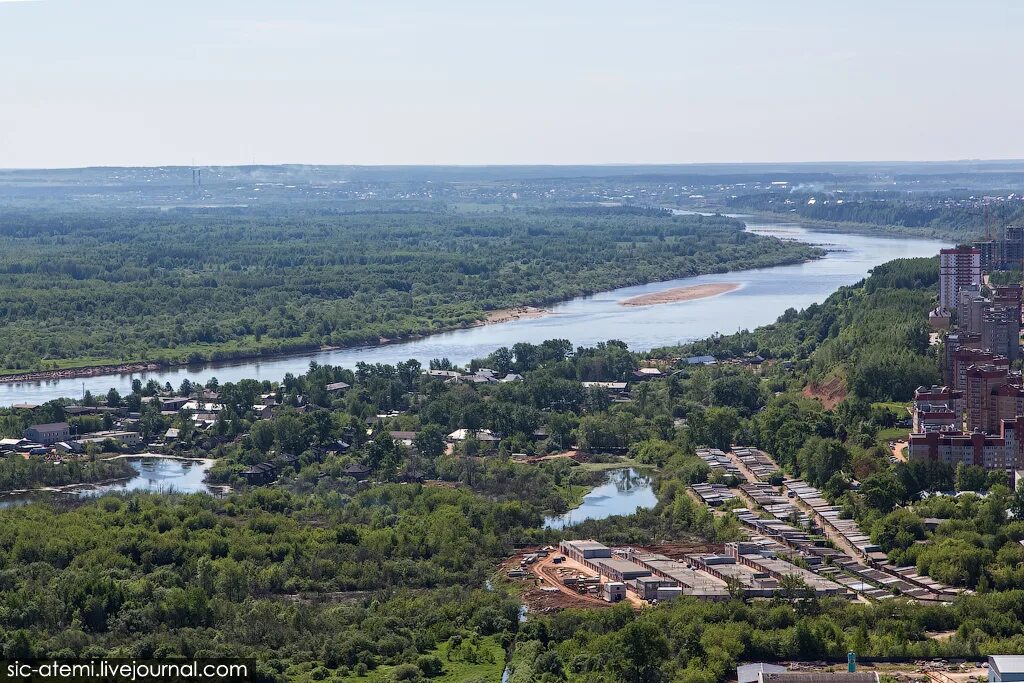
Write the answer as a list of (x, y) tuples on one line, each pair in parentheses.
[(470, 662)]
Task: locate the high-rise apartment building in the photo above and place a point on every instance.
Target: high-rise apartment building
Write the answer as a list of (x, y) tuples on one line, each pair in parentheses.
[(959, 268)]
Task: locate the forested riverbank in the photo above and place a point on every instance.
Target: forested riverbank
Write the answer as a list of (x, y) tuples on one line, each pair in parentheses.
[(957, 215), (212, 285)]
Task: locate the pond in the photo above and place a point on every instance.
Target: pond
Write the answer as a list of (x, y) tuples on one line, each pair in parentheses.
[(622, 493), (152, 473)]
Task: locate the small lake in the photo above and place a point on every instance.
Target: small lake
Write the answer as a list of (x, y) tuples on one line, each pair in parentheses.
[(152, 474), (622, 493)]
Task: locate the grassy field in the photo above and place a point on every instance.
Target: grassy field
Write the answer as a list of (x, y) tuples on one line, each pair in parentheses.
[(892, 434), (900, 409), (616, 465), (488, 667)]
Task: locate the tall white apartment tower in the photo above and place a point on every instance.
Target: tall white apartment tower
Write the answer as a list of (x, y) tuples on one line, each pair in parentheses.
[(959, 268)]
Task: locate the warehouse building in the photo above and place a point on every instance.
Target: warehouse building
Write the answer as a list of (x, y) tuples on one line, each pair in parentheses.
[(584, 551)]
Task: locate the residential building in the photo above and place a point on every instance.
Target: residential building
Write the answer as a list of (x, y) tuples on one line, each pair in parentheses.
[(1000, 331), (404, 438), (934, 407), (174, 403), (955, 342), (982, 403), (122, 437), (444, 375), (1009, 402), (263, 411), (959, 268), (260, 473), (973, 448), (939, 319), (1012, 256), (969, 309), (48, 434), (610, 387), (12, 444), (485, 436), (357, 471), (1008, 295), (990, 254), (964, 358)]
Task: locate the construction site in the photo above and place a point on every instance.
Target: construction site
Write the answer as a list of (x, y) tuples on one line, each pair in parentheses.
[(586, 573)]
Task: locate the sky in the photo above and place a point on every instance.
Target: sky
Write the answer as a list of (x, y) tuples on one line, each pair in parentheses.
[(155, 82)]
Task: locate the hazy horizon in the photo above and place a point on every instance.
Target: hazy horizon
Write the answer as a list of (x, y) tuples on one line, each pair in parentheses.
[(527, 164), (119, 83)]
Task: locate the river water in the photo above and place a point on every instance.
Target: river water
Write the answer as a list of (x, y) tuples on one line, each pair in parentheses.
[(764, 294)]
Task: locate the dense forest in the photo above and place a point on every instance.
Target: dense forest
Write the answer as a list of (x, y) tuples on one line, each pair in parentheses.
[(96, 286)]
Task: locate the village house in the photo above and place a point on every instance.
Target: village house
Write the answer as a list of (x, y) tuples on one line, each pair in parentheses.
[(48, 434), (260, 473), (485, 436), (444, 375), (123, 438), (173, 403), (613, 388), (404, 438), (263, 411), (12, 444), (199, 407), (357, 471), (70, 447)]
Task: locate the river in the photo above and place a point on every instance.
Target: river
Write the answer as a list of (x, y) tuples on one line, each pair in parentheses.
[(764, 294)]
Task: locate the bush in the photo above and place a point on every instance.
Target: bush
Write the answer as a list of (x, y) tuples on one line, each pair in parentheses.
[(430, 665), (405, 672)]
